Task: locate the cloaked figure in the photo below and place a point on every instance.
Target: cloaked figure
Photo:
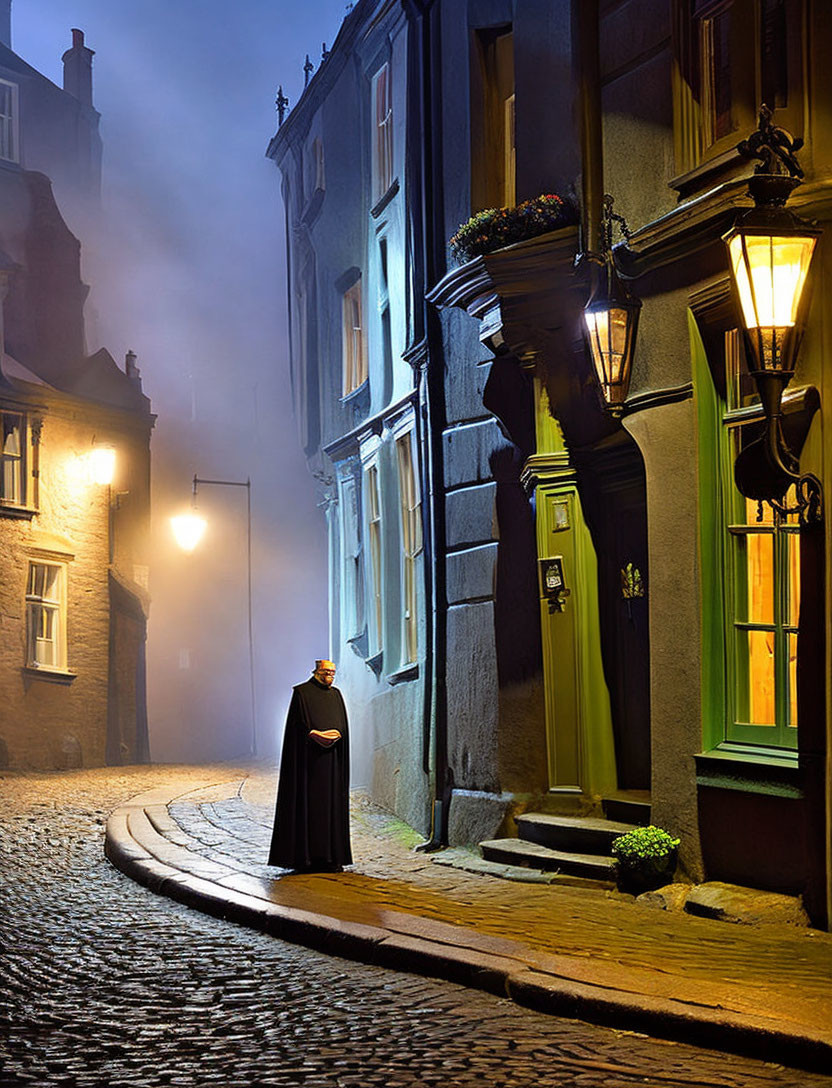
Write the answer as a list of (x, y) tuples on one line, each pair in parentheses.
[(311, 828)]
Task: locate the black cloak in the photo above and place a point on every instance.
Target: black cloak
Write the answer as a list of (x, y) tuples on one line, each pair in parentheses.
[(312, 829)]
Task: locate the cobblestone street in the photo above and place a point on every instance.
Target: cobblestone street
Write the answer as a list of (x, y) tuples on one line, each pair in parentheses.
[(107, 984)]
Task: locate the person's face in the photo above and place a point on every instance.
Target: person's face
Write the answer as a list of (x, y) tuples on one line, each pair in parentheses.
[(326, 673)]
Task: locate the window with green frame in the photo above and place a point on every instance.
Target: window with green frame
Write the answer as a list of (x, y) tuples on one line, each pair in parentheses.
[(761, 587)]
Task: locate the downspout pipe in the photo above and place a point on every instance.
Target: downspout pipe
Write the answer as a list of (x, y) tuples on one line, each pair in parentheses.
[(429, 254)]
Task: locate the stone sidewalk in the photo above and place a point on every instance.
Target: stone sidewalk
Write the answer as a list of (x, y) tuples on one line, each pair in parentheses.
[(586, 953)]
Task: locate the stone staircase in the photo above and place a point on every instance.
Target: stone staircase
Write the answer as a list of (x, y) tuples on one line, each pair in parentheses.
[(578, 847)]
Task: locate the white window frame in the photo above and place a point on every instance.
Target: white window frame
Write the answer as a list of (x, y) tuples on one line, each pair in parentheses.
[(9, 122), (410, 508), (353, 340), (46, 600), (382, 102), (14, 464), (352, 559), (374, 536)]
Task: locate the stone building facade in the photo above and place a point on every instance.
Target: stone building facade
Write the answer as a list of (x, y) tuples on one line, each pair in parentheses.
[(686, 670), (75, 473)]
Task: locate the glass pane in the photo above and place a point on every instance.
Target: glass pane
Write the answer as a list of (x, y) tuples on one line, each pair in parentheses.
[(9, 481), (770, 273), (717, 45), (755, 591), (50, 583), (752, 511), (793, 609), (755, 689), (792, 646), (37, 575), (774, 65), (43, 622), (11, 434)]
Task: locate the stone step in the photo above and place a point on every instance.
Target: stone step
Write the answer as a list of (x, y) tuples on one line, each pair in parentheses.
[(570, 834), (628, 810), (535, 856)]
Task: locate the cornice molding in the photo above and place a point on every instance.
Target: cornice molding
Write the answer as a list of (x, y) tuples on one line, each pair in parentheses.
[(698, 223)]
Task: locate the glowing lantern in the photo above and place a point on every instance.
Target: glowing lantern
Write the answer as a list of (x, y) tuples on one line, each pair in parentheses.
[(188, 530)]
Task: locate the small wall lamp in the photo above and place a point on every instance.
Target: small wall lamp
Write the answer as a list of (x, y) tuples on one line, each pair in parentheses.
[(101, 465), (611, 318), (770, 250)]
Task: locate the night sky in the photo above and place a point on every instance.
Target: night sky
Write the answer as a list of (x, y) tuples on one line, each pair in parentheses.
[(189, 272)]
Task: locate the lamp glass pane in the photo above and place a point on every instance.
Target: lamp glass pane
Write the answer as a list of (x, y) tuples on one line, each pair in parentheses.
[(608, 340), (770, 273)]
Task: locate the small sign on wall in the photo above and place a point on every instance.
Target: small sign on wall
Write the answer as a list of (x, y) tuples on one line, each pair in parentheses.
[(553, 586)]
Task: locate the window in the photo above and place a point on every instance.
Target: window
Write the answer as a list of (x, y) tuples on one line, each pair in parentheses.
[(353, 560), (373, 508), (313, 174), (732, 56), (46, 616), (354, 348), (715, 26), (493, 156), (382, 133), (762, 592), (411, 522), (13, 475), (9, 149), (384, 311)]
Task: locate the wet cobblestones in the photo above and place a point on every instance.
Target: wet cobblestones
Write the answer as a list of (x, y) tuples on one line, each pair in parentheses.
[(106, 984)]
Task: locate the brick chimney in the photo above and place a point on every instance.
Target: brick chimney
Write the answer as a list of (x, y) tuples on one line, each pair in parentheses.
[(78, 69), (6, 22)]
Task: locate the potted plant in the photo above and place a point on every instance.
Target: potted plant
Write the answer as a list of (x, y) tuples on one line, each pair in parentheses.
[(495, 228), (646, 859)]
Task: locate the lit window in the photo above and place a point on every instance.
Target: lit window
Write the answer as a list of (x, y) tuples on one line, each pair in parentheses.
[(12, 459), (411, 522), (45, 616), (762, 596), (354, 348), (9, 149), (383, 133), (373, 507)]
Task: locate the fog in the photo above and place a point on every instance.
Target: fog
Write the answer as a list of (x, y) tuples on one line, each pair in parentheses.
[(188, 271)]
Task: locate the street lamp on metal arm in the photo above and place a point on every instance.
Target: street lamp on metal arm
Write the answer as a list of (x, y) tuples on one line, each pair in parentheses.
[(188, 529), (770, 250)]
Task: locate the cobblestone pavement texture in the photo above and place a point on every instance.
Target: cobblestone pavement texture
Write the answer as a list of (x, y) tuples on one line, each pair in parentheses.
[(107, 984)]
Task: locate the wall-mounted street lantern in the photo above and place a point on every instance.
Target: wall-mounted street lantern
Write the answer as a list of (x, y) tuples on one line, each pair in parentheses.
[(611, 318), (101, 463), (188, 529), (770, 249)]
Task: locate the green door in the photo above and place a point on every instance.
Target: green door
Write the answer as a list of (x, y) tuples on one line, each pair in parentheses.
[(578, 722)]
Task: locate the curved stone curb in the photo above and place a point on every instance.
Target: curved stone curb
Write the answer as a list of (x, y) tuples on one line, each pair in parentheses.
[(553, 984)]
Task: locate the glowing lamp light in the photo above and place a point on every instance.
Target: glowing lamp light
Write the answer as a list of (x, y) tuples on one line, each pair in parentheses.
[(101, 463), (611, 324), (188, 530), (769, 265)]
